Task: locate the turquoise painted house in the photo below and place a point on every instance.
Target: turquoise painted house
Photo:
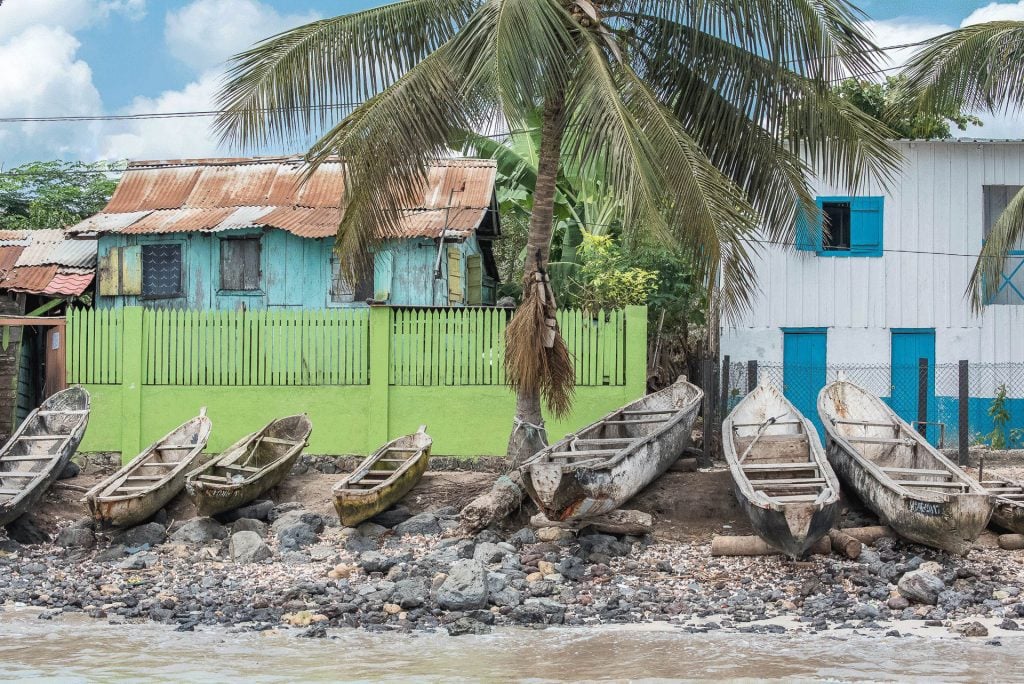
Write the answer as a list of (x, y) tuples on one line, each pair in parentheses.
[(234, 234)]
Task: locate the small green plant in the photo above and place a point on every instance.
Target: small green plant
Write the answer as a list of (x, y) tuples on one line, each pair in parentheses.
[(1000, 416), (605, 280)]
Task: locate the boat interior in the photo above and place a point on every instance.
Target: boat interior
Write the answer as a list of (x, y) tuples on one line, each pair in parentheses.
[(385, 462), (773, 449), (881, 438), (175, 451), (258, 452), (1004, 489), (617, 431), (41, 437)]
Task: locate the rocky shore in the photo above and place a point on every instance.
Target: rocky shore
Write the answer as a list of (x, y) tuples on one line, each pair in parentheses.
[(275, 565)]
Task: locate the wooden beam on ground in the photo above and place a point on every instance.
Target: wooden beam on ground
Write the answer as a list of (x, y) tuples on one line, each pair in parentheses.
[(845, 544), (722, 545), (870, 534), (615, 522)]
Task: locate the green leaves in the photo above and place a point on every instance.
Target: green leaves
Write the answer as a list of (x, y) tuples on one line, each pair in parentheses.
[(54, 194)]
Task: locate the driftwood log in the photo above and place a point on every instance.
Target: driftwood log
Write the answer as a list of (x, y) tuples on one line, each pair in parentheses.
[(1011, 542), (615, 522), (502, 500), (845, 544), (870, 534), (755, 546)]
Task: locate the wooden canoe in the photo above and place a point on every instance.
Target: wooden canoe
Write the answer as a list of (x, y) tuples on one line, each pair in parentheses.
[(137, 491), (782, 479), (382, 479), (912, 488), (249, 467), (599, 468), (39, 450), (1008, 509)]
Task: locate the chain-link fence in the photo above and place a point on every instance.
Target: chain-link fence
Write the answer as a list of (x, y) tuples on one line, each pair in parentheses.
[(952, 404)]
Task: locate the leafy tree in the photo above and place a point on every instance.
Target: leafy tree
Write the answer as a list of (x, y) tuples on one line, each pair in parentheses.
[(605, 280), (977, 69), (701, 118), (54, 194), (888, 102)]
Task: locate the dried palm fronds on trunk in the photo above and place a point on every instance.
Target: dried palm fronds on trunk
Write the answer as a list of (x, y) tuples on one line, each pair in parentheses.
[(536, 358)]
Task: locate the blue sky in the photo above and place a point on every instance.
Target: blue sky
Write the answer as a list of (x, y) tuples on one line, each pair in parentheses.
[(60, 57)]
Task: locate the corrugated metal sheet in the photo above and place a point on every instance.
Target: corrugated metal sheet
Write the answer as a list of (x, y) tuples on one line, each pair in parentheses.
[(14, 237), (223, 194), (9, 257), (28, 278), (63, 252)]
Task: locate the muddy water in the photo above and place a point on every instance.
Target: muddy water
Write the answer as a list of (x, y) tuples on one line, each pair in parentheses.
[(68, 649)]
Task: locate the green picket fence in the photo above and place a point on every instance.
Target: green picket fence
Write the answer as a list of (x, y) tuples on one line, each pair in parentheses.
[(94, 346), (302, 347), (467, 346)]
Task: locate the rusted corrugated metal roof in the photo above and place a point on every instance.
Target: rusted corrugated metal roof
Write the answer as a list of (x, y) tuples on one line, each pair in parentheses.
[(9, 257), (45, 249), (28, 278), (223, 194), (45, 262)]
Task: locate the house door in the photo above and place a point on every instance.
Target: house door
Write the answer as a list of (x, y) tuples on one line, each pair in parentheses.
[(803, 369), (908, 347)]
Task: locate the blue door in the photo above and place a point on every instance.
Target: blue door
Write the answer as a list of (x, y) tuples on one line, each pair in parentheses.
[(803, 369), (909, 346)]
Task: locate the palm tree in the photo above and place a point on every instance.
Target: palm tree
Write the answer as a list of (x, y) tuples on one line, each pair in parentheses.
[(977, 68), (703, 118)]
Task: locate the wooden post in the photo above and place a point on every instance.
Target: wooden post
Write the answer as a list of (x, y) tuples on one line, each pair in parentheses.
[(724, 403), (707, 377), (131, 382), (922, 396), (381, 324), (751, 375), (963, 426)]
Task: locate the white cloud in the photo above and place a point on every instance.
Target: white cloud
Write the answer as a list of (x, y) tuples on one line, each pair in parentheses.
[(43, 77), (902, 32), (205, 33), (996, 11), (71, 15), (167, 138)]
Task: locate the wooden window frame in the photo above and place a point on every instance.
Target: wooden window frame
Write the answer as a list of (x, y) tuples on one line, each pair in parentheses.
[(249, 292), (180, 244)]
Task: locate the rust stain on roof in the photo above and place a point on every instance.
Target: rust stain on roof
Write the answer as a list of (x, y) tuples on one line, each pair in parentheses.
[(28, 278), (9, 257), (223, 194)]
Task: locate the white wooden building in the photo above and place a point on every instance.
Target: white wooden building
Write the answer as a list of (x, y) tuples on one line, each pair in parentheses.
[(888, 286)]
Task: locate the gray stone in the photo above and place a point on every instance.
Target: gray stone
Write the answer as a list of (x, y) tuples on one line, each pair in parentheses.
[(282, 508), (357, 543), (134, 537), (410, 593), (109, 554), (487, 536), (393, 516), (295, 536), (921, 587), (257, 510), (371, 529), (375, 561), (249, 525), (139, 561), (971, 629), (508, 596), (572, 568), (76, 538), (25, 530), (424, 523), (489, 552), (523, 537), (465, 587), (897, 603), (465, 625), (200, 531), (248, 547), (603, 544), (71, 470), (313, 520)]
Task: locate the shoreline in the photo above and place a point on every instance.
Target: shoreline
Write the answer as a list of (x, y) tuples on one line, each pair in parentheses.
[(291, 565)]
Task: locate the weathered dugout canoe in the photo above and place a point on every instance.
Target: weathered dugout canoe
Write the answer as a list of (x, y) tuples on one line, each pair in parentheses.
[(602, 466), (383, 478), (913, 488), (37, 452), (783, 481), (137, 491), (250, 467), (1008, 509)]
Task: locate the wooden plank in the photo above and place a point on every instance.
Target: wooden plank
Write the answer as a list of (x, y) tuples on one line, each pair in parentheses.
[(916, 471), (766, 467)]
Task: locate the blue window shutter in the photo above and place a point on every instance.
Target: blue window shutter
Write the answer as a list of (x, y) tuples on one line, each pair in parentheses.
[(807, 239), (866, 226)]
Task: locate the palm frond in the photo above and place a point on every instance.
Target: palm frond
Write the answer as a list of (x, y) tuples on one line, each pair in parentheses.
[(1006, 234), (300, 81), (979, 67)]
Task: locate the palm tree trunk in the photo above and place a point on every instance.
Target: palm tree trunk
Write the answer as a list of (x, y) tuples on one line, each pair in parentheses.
[(507, 493), (526, 439)]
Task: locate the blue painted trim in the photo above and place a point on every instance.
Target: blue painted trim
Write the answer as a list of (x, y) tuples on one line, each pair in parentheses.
[(866, 228), (911, 331), (804, 330)]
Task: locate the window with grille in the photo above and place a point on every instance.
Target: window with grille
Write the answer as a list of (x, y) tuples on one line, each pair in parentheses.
[(1010, 289), (341, 290), (240, 264), (161, 271)]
